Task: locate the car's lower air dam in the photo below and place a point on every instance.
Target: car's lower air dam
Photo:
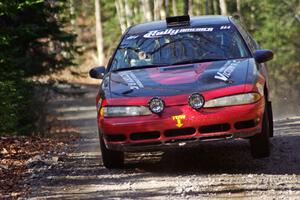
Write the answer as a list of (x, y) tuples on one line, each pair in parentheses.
[(246, 124), (214, 128), (145, 135), (115, 138), (179, 132)]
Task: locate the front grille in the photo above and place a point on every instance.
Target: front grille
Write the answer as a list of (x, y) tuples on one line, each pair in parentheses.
[(214, 128), (179, 132), (145, 135), (245, 124), (115, 138)]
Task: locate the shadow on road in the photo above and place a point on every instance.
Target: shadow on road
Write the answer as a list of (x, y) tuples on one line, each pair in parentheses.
[(230, 157), (156, 174)]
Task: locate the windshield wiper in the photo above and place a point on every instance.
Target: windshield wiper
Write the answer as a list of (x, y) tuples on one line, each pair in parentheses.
[(187, 61), (141, 67)]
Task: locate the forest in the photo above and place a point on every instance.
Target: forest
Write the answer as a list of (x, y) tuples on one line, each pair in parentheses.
[(42, 37)]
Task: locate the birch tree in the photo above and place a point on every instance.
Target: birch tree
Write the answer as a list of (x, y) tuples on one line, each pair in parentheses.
[(197, 7), (174, 6), (163, 13), (223, 7), (121, 15), (167, 5), (238, 9), (158, 6), (128, 14), (136, 12), (99, 36), (147, 10), (191, 8), (238, 6)]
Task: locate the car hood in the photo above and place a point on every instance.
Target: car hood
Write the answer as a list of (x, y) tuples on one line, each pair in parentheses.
[(176, 80)]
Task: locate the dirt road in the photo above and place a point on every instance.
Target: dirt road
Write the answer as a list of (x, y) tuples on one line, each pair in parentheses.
[(212, 171)]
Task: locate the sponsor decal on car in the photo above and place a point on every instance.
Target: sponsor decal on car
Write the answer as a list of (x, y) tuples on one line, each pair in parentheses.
[(178, 119), (225, 72), (224, 27), (132, 81), (170, 31), (132, 37)]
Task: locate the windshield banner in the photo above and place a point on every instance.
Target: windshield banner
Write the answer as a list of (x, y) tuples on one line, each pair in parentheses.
[(170, 31)]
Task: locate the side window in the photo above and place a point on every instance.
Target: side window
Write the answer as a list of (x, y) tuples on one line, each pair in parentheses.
[(246, 35)]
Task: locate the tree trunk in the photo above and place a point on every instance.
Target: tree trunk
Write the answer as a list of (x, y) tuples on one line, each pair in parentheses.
[(238, 10), (121, 14), (216, 10), (198, 7), (238, 6), (128, 14), (167, 5), (136, 10), (163, 13), (174, 7), (211, 7), (223, 7), (191, 8), (159, 11), (186, 7), (147, 10), (99, 36), (206, 7)]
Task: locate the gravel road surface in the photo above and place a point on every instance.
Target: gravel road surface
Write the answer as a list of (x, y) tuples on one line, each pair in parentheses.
[(222, 170)]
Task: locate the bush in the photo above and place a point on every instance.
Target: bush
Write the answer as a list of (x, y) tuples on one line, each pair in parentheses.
[(33, 42)]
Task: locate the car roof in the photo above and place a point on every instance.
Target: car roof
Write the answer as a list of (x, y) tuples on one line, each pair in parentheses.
[(194, 22)]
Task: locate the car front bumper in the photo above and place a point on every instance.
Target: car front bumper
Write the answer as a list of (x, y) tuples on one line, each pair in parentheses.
[(158, 132)]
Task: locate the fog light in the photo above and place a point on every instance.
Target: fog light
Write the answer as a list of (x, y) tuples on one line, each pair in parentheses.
[(196, 101), (156, 105)]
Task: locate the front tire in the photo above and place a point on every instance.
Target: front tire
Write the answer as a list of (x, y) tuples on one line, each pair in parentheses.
[(260, 143), (111, 159)]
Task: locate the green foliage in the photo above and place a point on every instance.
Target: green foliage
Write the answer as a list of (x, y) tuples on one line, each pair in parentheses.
[(111, 28), (18, 110), (275, 25), (40, 45), (32, 42)]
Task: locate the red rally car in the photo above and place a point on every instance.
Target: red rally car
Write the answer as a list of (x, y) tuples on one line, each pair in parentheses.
[(180, 82)]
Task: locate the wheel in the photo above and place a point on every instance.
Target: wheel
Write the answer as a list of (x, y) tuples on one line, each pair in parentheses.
[(260, 143), (270, 118), (111, 159)]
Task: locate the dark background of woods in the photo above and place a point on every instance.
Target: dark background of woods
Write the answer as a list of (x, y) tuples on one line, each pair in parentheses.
[(42, 37)]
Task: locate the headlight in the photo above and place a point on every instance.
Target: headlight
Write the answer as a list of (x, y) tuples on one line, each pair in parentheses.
[(196, 101), (156, 105), (123, 111), (238, 99)]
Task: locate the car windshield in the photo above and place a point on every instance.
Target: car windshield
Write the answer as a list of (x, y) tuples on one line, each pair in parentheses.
[(179, 46)]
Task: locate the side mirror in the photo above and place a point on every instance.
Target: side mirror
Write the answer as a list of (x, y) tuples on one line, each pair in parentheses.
[(97, 72), (262, 56)]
